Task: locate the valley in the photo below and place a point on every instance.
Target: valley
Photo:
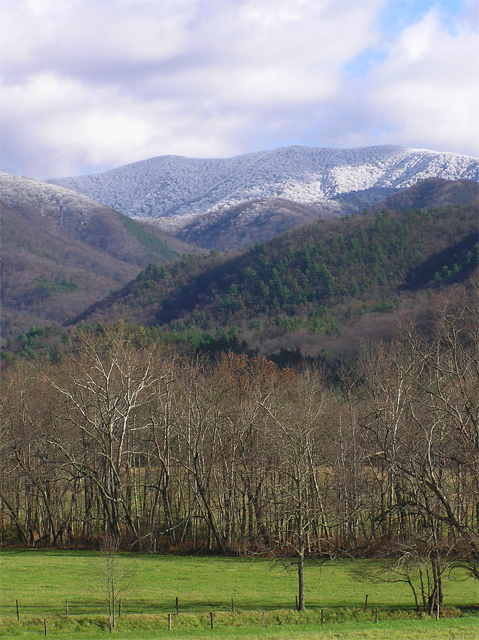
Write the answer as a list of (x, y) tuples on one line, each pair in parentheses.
[(312, 397)]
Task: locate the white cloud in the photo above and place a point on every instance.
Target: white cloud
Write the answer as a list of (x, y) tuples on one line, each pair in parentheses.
[(71, 34), (427, 89), (92, 84), (100, 127)]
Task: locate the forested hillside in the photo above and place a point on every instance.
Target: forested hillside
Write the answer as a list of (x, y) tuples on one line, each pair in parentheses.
[(244, 224), (240, 226), (431, 194), (318, 278), (62, 251)]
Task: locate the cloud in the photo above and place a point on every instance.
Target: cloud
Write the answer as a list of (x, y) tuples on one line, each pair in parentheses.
[(417, 89), (87, 38), (92, 84), (427, 88), (74, 126)]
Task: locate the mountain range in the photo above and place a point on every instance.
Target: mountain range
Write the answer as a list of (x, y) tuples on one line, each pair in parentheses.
[(66, 255), (268, 191)]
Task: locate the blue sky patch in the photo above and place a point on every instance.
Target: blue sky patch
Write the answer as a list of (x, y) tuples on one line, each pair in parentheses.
[(398, 15)]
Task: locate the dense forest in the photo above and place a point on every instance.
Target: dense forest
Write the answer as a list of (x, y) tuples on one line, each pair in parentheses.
[(174, 452), (317, 276)]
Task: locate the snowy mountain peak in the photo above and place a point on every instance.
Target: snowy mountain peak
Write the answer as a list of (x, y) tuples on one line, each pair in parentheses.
[(177, 186)]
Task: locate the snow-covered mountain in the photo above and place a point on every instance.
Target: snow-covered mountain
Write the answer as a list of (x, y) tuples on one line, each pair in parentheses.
[(64, 206), (178, 187)]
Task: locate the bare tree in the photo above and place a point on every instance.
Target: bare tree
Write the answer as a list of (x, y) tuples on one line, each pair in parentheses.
[(104, 392), (297, 428), (408, 564), (116, 574), (421, 425)]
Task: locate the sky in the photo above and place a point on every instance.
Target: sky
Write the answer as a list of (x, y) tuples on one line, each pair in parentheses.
[(89, 85)]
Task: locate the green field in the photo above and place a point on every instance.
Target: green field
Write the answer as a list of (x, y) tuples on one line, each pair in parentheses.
[(42, 582)]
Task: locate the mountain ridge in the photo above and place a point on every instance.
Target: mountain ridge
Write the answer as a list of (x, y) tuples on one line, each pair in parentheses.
[(325, 285), (167, 186)]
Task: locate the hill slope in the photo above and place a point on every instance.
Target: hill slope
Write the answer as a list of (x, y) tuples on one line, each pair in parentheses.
[(322, 278), (430, 194), (62, 251), (250, 222)]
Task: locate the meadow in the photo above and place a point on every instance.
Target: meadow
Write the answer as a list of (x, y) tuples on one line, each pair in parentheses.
[(43, 581)]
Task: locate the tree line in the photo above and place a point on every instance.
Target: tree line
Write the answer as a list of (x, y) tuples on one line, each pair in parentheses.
[(167, 451)]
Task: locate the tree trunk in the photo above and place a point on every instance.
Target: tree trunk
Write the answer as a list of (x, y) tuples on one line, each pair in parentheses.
[(300, 549), (301, 606)]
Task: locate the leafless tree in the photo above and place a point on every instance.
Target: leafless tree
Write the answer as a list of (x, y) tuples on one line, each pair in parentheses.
[(105, 390), (116, 574), (297, 430)]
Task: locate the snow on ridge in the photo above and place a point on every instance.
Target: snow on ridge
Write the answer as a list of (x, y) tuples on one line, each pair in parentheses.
[(177, 186), (14, 189)]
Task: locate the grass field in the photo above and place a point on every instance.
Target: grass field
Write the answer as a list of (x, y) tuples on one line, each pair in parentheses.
[(198, 629), (42, 581)]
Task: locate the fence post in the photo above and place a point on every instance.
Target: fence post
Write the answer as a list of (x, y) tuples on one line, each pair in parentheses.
[(66, 609), (177, 606), (322, 617), (211, 618), (376, 614), (18, 615), (264, 619), (232, 605), (366, 603), (45, 626), (169, 622)]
